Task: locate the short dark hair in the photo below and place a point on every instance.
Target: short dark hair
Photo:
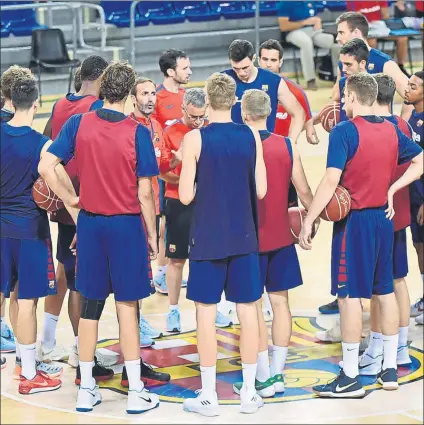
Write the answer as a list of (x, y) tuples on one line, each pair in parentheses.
[(168, 60), (354, 21), (92, 68), (386, 88), (240, 49), (23, 94), (420, 74), (117, 81), (364, 86), (356, 48), (272, 45), (77, 80)]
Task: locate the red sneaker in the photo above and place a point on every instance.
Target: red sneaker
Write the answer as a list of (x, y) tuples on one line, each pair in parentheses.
[(40, 383)]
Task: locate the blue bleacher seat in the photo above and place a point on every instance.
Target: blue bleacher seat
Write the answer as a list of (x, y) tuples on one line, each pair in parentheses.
[(19, 22), (232, 9), (197, 11), (161, 12), (266, 8), (335, 6), (118, 13)]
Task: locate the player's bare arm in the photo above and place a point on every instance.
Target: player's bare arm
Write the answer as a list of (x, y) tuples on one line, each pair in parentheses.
[(294, 108), (147, 205), (299, 180), (191, 153), (322, 197), (260, 168), (170, 177)]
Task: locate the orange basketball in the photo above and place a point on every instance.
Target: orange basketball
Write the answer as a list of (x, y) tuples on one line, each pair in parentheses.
[(330, 116), (296, 217), (44, 197), (338, 207)]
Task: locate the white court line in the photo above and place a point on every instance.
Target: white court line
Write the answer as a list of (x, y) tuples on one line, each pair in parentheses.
[(410, 415)]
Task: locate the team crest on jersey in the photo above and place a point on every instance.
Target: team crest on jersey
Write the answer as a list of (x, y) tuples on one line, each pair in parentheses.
[(309, 362), (265, 87), (371, 66), (172, 248), (420, 123)]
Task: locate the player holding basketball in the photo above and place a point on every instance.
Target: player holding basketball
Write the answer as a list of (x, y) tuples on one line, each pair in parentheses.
[(279, 265), (116, 162), (363, 242), (223, 237)]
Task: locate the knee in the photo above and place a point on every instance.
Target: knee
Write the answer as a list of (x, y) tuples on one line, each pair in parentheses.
[(245, 310), (177, 263), (278, 301), (92, 309), (301, 40)]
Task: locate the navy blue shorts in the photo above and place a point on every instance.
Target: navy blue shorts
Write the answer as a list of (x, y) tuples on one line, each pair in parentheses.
[(280, 269), (112, 257), (362, 255), (64, 255), (416, 229), (238, 276), (400, 255), (30, 261)]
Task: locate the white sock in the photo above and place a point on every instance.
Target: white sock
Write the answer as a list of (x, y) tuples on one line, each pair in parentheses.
[(87, 380), (262, 371), (28, 360), (174, 307), (403, 336), (267, 302), (2, 325), (49, 331), (375, 347), (350, 359), (18, 350), (390, 343), (76, 342), (249, 375), (278, 359), (208, 376), (133, 372)]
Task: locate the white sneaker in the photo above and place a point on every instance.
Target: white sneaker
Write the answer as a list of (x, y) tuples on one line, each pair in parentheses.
[(141, 401), (203, 404), (330, 335), (419, 320), (368, 365), (250, 401), (403, 358), (418, 308), (56, 354), (88, 398), (73, 359), (107, 360)]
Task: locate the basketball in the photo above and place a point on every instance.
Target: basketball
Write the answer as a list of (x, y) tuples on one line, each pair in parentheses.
[(296, 217), (338, 207), (44, 197), (330, 116)]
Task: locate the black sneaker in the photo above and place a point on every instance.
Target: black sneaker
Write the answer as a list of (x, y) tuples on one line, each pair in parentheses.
[(341, 387), (330, 308), (389, 379), (148, 375), (100, 373)]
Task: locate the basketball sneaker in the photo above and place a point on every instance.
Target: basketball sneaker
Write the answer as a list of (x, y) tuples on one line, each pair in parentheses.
[(204, 404), (278, 382), (419, 320), (148, 375), (52, 371), (88, 398), (388, 378), (330, 335), (146, 329), (106, 360), (173, 321), (341, 387), (40, 383), (417, 308), (250, 402), (7, 343), (184, 283), (58, 353), (264, 389), (100, 373), (2, 362), (141, 401), (222, 321), (403, 358), (160, 284), (330, 308)]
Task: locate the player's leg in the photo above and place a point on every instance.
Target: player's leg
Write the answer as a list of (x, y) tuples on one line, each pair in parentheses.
[(7, 343), (174, 276)]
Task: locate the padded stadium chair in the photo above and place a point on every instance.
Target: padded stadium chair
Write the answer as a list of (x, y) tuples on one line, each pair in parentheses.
[(232, 9), (196, 11), (48, 51), (4, 32), (161, 12), (335, 6), (20, 22), (266, 8), (118, 14)]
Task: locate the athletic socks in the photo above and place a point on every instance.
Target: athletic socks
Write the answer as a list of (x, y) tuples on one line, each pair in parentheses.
[(18, 350), (403, 336), (87, 380), (174, 307), (208, 376), (249, 375), (28, 360), (76, 342), (49, 331), (278, 359), (133, 372), (262, 372), (350, 359), (390, 345), (375, 347)]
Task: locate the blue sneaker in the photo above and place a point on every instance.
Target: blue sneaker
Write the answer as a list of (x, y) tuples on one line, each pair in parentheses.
[(388, 378), (145, 341), (146, 329), (7, 345), (184, 283), (341, 387), (330, 308), (173, 321), (160, 284), (222, 321)]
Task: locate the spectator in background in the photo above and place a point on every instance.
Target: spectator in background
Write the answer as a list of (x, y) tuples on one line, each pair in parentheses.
[(376, 11), (303, 29)]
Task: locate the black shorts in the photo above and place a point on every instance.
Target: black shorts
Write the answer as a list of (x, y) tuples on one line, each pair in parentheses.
[(293, 201), (177, 233)]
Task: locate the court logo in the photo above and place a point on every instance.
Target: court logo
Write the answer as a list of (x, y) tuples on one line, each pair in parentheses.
[(309, 362)]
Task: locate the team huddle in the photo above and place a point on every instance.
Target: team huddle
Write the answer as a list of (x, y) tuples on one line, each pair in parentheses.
[(215, 170)]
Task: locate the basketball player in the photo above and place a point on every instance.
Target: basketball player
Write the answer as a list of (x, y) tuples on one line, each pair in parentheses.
[(223, 236), (175, 66), (414, 95), (279, 265), (26, 251), (116, 162), (86, 99), (363, 242), (8, 78)]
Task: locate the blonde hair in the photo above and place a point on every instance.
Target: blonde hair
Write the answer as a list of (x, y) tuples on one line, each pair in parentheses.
[(256, 103), (10, 76), (221, 91)]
